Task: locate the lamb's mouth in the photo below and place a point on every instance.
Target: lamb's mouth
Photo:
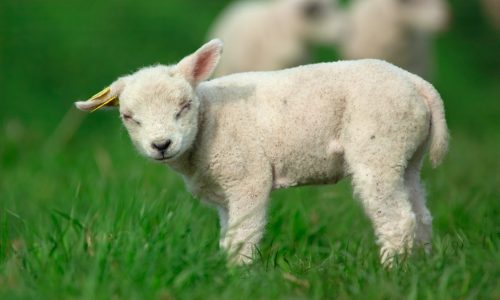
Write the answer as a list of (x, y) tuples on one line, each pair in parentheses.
[(165, 158)]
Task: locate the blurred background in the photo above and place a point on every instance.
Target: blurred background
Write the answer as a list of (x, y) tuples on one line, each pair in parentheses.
[(55, 52), (55, 160)]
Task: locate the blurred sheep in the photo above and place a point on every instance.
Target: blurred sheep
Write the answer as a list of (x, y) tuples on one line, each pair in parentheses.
[(272, 35), (492, 10), (398, 31)]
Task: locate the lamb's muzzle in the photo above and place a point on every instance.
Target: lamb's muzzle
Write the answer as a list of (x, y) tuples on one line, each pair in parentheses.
[(161, 145)]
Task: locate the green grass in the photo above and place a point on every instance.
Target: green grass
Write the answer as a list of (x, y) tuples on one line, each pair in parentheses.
[(83, 216)]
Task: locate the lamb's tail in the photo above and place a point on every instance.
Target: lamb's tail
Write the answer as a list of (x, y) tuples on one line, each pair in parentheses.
[(439, 135)]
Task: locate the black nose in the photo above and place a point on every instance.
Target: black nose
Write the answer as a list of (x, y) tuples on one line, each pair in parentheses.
[(161, 145)]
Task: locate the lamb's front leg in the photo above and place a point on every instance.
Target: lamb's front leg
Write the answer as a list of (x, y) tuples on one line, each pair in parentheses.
[(245, 214)]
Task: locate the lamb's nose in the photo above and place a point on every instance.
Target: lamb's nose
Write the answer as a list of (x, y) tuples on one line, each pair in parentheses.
[(161, 145)]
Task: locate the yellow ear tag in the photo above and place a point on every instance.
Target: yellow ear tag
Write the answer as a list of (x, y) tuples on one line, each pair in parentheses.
[(100, 94), (112, 101)]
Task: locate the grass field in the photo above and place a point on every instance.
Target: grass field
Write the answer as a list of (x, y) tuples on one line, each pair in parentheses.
[(83, 216)]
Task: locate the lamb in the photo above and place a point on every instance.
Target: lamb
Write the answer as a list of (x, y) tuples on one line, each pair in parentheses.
[(398, 31), (271, 35), (236, 138)]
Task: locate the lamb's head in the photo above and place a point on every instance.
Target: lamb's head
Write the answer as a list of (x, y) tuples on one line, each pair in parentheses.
[(308, 18), (159, 105)]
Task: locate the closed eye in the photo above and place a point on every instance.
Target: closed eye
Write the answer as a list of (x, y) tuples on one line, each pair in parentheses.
[(129, 118), (184, 107)]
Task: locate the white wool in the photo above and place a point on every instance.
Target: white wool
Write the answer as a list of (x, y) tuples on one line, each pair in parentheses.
[(243, 135), (398, 31), (271, 35)]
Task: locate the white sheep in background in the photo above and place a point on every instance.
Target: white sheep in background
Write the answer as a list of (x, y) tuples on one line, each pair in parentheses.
[(398, 31), (236, 138), (272, 35), (491, 9)]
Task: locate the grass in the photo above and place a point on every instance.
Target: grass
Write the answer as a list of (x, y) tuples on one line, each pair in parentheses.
[(83, 216), (105, 224)]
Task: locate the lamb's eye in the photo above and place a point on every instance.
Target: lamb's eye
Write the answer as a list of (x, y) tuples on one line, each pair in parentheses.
[(129, 118), (185, 106)]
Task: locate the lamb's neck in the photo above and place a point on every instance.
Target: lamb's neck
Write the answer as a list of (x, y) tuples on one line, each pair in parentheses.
[(183, 164)]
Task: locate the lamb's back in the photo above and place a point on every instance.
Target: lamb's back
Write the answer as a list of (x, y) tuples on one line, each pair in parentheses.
[(297, 116)]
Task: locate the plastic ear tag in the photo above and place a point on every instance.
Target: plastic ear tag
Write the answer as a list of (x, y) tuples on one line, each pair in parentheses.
[(111, 101), (100, 94)]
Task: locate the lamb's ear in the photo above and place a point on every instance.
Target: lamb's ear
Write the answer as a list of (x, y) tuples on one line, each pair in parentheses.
[(201, 64), (108, 97)]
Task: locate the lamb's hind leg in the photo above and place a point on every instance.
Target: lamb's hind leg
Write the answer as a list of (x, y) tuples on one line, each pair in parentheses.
[(417, 198), (386, 201)]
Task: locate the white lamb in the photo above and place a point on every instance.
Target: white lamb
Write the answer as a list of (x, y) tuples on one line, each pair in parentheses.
[(398, 31), (271, 35), (236, 138)]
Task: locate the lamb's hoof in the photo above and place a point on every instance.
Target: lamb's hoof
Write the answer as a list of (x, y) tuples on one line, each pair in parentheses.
[(239, 260), (388, 257)]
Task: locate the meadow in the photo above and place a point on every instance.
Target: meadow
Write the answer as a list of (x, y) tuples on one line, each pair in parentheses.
[(83, 216)]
